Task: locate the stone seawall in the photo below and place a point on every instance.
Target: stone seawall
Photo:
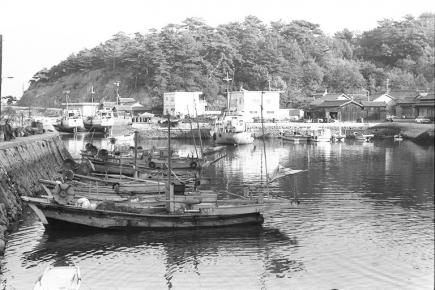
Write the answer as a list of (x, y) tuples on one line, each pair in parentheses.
[(23, 161), (274, 129)]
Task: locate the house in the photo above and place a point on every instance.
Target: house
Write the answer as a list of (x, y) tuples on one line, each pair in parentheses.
[(405, 108), (344, 110), (184, 103), (290, 114), (374, 111), (389, 100), (86, 109), (137, 109), (425, 105), (126, 101), (249, 102), (330, 97)]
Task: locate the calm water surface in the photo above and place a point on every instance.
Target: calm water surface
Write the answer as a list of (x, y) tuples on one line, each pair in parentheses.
[(365, 221)]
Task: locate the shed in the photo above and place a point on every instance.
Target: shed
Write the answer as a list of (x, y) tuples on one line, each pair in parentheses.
[(374, 111), (343, 110), (425, 106)]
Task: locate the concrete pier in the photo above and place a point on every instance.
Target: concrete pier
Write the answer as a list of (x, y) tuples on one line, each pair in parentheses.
[(23, 161)]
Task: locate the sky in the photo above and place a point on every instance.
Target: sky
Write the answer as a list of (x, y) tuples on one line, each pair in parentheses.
[(40, 34)]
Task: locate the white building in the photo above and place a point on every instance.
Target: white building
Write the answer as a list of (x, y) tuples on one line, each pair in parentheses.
[(249, 102), (386, 98), (86, 109), (184, 103)]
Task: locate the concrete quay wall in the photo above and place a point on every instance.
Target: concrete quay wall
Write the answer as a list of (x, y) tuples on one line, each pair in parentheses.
[(274, 129), (23, 161)]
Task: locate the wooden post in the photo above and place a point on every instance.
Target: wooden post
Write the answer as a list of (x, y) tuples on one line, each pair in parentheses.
[(135, 154), (170, 187), (264, 144)]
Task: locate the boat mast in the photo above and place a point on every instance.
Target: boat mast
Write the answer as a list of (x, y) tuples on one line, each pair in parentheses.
[(169, 195), (169, 148), (264, 143), (191, 131), (199, 131), (227, 79)]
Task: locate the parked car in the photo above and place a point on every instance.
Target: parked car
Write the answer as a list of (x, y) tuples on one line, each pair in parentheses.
[(422, 120), (393, 118)]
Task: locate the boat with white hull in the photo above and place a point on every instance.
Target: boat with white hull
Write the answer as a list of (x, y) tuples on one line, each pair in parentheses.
[(232, 131), (104, 120), (71, 121)]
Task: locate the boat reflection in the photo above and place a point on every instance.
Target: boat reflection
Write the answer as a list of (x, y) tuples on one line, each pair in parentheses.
[(175, 251)]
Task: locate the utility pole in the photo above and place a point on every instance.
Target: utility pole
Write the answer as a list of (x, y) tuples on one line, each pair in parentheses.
[(117, 91), (388, 86), (227, 79)]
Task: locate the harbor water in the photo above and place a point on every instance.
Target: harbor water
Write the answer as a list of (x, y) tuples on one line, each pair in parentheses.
[(362, 217)]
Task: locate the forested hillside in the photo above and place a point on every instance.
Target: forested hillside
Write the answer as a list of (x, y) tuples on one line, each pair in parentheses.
[(295, 57)]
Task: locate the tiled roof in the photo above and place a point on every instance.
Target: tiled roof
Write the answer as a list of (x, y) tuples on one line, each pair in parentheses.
[(373, 104), (400, 95), (336, 103), (407, 100), (127, 100), (427, 97), (329, 97)]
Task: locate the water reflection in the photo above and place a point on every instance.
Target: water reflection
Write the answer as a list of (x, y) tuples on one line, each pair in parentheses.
[(169, 255), (366, 218)]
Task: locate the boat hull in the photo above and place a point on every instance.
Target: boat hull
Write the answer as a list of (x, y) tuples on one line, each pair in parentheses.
[(296, 139), (105, 125), (70, 126), (56, 214), (233, 138)]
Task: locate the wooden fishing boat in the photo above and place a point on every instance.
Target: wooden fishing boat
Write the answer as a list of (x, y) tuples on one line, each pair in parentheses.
[(296, 138), (158, 158), (364, 137), (110, 184), (177, 209), (59, 277)]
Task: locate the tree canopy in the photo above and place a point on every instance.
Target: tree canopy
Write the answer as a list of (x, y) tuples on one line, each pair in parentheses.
[(295, 57)]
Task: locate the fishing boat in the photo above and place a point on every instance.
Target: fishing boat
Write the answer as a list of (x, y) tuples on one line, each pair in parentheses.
[(324, 135), (104, 120), (158, 158), (296, 138), (364, 137), (177, 209), (71, 121), (231, 130), (59, 277)]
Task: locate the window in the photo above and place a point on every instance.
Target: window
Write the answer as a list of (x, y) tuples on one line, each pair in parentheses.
[(270, 112), (252, 112)]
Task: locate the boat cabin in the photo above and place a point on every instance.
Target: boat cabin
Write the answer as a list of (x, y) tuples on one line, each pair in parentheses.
[(71, 114), (105, 113), (232, 124)]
